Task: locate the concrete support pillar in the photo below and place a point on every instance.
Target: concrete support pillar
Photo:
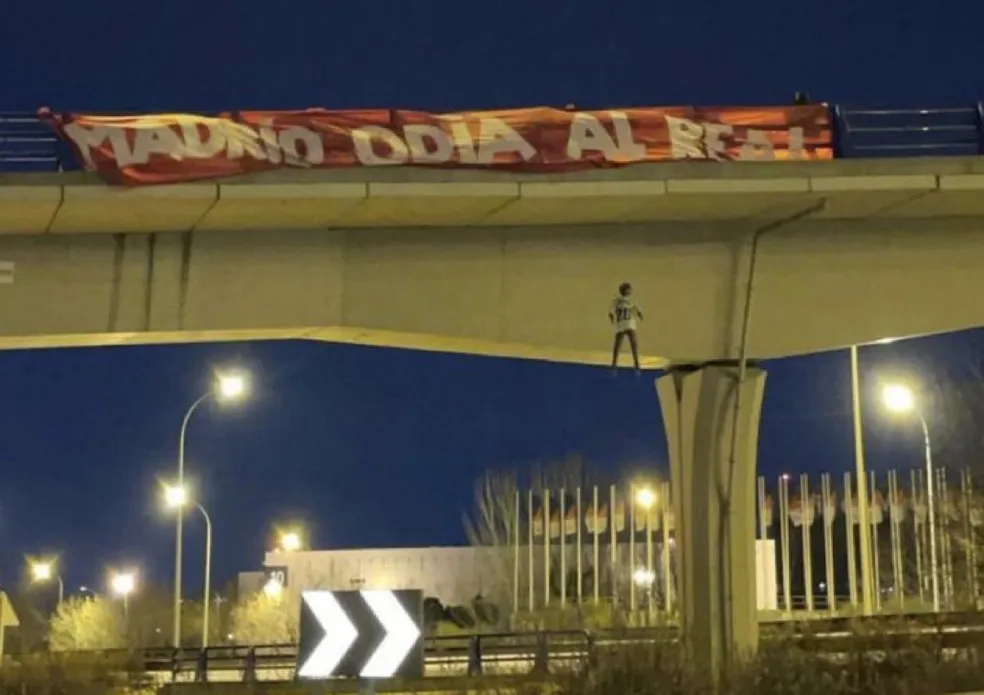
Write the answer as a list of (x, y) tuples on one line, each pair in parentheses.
[(715, 506)]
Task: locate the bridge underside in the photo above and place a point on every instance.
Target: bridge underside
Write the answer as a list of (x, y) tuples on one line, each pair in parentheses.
[(460, 261)]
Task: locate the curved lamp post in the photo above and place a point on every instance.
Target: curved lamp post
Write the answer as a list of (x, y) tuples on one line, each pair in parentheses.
[(228, 387), (899, 398), (177, 498)]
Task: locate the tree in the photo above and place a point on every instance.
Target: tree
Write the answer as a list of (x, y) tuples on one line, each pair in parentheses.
[(951, 398), (496, 520), (493, 527), (84, 624), (265, 619), (951, 395)]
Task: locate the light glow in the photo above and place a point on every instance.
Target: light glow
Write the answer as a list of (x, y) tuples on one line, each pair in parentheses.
[(273, 588), (42, 571), (231, 387), (898, 398), (646, 498), (175, 496), (290, 541), (123, 583)]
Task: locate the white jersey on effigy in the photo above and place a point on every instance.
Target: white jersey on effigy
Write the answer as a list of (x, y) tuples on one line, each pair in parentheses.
[(624, 312)]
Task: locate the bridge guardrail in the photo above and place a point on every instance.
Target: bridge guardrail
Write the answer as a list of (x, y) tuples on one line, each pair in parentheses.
[(27, 144), (474, 654), (879, 133)]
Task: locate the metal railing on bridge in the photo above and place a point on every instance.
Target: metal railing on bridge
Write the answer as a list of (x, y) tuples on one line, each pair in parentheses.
[(29, 145), (539, 653), (908, 132)]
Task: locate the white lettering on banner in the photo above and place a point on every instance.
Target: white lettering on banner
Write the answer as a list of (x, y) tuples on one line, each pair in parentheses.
[(756, 146), (428, 143), (713, 137), (150, 141), (496, 137), (363, 139), (88, 139), (463, 142), (431, 144), (686, 139), (588, 134), (268, 136), (242, 141), (692, 140), (314, 150), (482, 141), (195, 146)]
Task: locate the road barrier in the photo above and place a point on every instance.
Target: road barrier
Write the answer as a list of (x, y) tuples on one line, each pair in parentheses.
[(534, 654)]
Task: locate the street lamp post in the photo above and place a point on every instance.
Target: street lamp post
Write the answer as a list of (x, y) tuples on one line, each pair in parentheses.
[(646, 499), (177, 498), (45, 572), (900, 399), (864, 534), (228, 387)]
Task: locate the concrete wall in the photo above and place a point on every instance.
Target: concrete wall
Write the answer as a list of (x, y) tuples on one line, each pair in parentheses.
[(457, 575), (819, 285)]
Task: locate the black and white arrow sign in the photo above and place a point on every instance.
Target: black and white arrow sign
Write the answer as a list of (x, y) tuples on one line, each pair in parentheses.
[(366, 634)]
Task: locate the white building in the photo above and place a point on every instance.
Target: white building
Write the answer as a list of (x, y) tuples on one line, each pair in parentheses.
[(456, 575)]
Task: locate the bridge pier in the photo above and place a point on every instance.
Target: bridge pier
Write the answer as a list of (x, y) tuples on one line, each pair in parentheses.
[(715, 529)]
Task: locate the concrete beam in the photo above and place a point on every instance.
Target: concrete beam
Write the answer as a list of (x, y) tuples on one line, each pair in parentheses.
[(924, 188)]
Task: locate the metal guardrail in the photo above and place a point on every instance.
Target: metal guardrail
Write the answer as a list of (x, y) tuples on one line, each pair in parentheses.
[(478, 654), (27, 144), (909, 132)]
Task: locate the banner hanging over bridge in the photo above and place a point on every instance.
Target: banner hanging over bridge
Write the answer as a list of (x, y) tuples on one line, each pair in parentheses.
[(168, 148)]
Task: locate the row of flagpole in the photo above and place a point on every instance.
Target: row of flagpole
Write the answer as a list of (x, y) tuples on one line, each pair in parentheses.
[(600, 521), (582, 535)]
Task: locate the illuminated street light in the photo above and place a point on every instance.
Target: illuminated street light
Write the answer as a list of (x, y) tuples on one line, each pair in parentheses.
[(43, 572), (646, 498), (900, 399), (231, 386), (273, 589), (123, 584), (176, 497), (290, 541)]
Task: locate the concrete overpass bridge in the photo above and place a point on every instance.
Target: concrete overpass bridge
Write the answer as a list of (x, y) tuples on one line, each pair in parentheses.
[(732, 263), (501, 265)]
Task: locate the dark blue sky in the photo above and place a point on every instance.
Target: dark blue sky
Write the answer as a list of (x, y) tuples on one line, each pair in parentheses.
[(377, 447)]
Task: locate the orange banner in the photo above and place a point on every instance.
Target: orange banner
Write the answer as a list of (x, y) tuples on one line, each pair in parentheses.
[(167, 148)]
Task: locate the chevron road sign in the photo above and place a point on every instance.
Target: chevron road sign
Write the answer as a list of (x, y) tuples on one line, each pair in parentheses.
[(364, 634)]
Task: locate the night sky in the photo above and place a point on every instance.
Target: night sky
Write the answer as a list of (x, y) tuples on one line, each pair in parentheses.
[(380, 447)]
